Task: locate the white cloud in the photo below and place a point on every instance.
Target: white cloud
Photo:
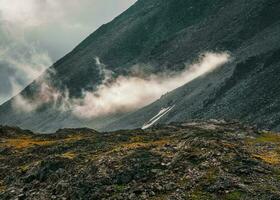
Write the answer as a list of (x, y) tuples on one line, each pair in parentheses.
[(22, 62), (130, 93), (46, 94), (20, 103), (122, 94)]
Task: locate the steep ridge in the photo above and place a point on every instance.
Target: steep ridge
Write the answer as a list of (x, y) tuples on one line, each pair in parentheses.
[(166, 34)]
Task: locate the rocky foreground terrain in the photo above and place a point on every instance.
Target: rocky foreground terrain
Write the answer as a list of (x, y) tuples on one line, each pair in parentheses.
[(194, 160)]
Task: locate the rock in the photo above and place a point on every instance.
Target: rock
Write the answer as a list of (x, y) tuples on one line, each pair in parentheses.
[(21, 197), (132, 196), (61, 187)]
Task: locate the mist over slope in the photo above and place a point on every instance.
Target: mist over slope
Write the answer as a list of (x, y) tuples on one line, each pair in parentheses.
[(156, 36)]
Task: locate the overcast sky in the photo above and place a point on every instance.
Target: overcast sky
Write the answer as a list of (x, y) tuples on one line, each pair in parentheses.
[(35, 33)]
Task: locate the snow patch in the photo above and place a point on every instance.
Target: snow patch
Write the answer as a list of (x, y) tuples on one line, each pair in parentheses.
[(161, 113)]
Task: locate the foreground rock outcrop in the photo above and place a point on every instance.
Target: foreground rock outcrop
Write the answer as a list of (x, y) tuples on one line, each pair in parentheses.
[(198, 160)]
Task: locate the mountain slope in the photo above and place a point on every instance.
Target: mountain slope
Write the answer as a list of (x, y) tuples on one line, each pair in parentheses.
[(129, 39), (201, 160), (246, 89), (164, 35)]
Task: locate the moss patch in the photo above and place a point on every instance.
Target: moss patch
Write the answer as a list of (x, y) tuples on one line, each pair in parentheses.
[(268, 137), (200, 195), (234, 195)]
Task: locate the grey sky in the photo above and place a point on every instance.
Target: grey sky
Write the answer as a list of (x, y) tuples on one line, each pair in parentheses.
[(35, 33)]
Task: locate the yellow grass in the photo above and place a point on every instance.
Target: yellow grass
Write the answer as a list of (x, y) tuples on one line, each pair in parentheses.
[(27, 142), (136, 139), (270, 157), (2, 187), (69, 155), (25, 168), (268, 137), (136, 145), (73, 138)]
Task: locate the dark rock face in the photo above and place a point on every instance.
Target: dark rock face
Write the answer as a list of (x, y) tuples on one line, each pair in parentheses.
[(198, 160), (165, 34)]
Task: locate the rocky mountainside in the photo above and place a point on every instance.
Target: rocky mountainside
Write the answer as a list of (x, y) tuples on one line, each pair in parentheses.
[(194, 160), (246, 89), (164, 35)]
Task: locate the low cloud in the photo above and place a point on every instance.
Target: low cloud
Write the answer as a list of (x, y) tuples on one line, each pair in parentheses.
[(21, 61), (47, 94), (120, 94), (20, 68), (130, 93)]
